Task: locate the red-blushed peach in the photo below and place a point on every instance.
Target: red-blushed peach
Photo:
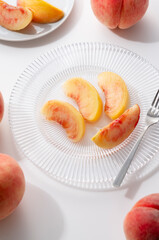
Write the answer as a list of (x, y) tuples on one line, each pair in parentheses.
[(142, 222), (12, 185), (1, 107), (116, 93), (14, 18), (132, 11), (119, 13), (107, 11), (86, 96), (43, 11), (118, 130), (67, 116)]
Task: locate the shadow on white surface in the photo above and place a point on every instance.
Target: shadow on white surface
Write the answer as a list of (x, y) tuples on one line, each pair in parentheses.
[(135, 185), (30, 29), (7, 144), (38, 217), (145, 31)]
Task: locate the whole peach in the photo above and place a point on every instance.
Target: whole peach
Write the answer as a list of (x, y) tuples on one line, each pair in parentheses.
[(1, 106), (142, 222), (119, 13), (12, 185)]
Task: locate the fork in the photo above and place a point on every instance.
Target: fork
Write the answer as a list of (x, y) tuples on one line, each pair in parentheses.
[(152, 117)]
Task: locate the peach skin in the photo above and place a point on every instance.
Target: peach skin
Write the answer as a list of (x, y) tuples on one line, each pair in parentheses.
[(118, 130), (12, 185), (1, 107), (67, 116), (116, 93), (86, 96), (43, 12), (119, 13), (132, 11), (142, 222), (14, 18)]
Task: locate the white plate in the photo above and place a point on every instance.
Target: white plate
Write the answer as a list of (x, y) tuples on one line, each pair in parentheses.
[(35, 30), (82, 164)]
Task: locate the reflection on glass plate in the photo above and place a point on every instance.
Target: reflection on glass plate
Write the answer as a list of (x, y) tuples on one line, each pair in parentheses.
[(82, 164), (35, 30)]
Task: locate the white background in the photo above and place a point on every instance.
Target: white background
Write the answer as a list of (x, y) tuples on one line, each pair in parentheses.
[(50, 210)]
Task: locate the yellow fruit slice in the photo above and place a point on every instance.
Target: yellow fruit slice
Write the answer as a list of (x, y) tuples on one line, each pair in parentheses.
[(86, 96), (43, 12), (67, 116), (118, 130), (116, 93), (14, 18)]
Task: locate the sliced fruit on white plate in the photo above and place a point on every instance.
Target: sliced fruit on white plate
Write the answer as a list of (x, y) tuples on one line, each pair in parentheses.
[(43, 11)]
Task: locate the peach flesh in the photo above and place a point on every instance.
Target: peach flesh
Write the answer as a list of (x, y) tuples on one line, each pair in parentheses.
[(119, 13), (14, 18), (86, 96), (67, 116), (118, 130), (12, 185), (142, 222), (116, 93), (43, 12)]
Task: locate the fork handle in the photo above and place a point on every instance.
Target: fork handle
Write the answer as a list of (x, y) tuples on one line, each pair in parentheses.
[(118, 180)]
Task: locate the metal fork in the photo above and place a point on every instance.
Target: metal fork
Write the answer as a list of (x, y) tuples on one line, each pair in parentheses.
[(152, 117)]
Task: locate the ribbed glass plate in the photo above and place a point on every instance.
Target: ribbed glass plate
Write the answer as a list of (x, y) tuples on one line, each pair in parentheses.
[(82, 164)]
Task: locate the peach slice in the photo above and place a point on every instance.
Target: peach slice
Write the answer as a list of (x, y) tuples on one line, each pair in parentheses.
[(118, 130), (116, 93), (14, 18), (43, 11), (67, 116), (86, 96)]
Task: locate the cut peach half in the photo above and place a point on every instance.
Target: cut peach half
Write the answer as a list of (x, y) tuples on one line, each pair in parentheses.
[(43, 11), (116, 93), (67, 116), (14, 18), (86, 96), (118, 130)]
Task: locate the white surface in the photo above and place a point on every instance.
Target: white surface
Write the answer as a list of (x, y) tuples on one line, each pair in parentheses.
[(50, 210), (35, 30)]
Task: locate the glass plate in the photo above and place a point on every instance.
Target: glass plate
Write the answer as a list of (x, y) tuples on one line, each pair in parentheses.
[(35, 30), (82, 164)]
